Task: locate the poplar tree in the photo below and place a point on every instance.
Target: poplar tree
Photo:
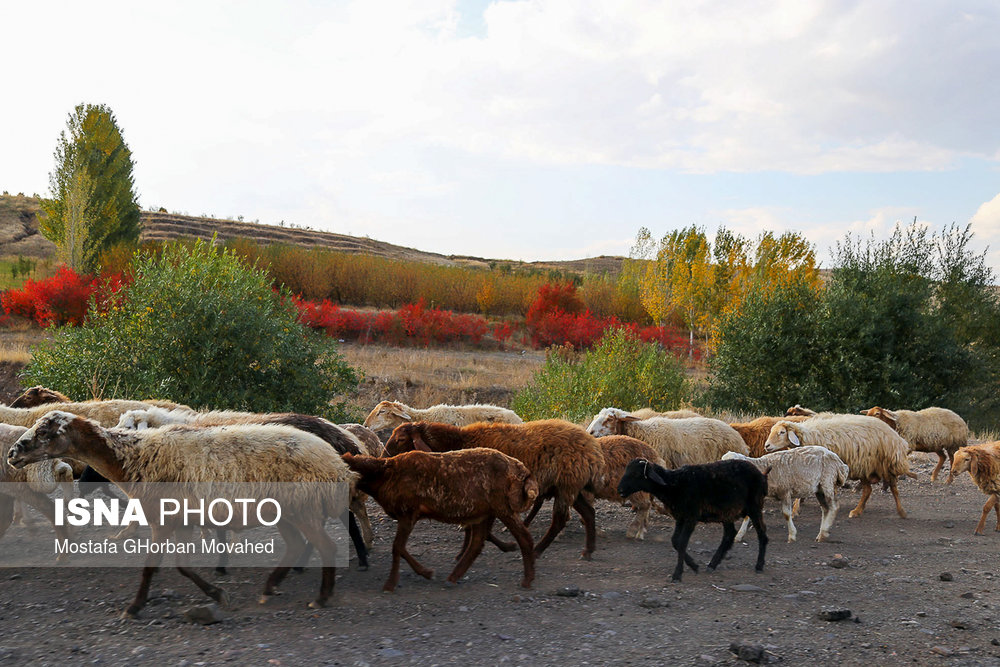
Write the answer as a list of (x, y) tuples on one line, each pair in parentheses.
[(93, 204)]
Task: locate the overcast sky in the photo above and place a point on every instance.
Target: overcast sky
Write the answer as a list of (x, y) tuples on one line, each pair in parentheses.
[(527, 130)]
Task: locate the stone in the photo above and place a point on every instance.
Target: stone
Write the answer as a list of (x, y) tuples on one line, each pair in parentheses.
[(652, 602), (391, 653), (204, 614), (611, 595), (942, 650), (946, 576), (747, 651), (834, 614), (838, 561), (747, 588), (568, 592)]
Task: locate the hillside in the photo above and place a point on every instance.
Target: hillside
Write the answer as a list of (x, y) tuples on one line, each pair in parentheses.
[(19, 236)]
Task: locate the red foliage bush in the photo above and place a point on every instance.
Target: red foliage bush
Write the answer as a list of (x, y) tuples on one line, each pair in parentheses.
[(63, 298)]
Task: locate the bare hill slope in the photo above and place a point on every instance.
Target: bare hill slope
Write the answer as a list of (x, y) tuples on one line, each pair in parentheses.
[(19, 236)]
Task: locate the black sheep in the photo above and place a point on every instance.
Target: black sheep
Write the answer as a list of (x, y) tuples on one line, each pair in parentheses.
[(720, 492)]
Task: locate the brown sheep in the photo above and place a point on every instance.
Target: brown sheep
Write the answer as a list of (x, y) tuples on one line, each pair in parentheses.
[(618, 451), (39, 395), (799, 411), (755, 432), (471, 487), (564, 459), (983, 464)]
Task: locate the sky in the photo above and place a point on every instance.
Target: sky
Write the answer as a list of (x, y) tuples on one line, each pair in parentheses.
[(528, 129)]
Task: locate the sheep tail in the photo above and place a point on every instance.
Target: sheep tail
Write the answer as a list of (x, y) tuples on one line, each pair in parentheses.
[(523, 495)]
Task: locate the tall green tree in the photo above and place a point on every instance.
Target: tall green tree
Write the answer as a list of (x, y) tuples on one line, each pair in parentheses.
[(93, 204)]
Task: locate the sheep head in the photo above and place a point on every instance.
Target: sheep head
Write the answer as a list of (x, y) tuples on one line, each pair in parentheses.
[(964, 460), (610, 421), (386, 415), (799, 411), (47, 439), (38, 395), (405, 438), (782, 436), (638, 475), (888, 416)]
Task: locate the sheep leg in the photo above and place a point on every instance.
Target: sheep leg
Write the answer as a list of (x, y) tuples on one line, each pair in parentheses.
[(679, 540), (523, 538), (895, 495), (728, 536), (317, 536), (940, 463), (788, 511), (356, 532), (404, 527), (294, 546), (208, 589), (587, 514), (539, 501), (360, 509), (991, 502), (828, 505), (757, 518), (6, 513), (560, 515), (222, 535), (477, 538), (996, 506), (866, 492), (641, 504), (500, 544), (743, 529), (143, 593)]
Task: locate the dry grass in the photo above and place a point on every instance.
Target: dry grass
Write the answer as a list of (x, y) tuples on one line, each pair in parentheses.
[(423, 377), (16, 343)]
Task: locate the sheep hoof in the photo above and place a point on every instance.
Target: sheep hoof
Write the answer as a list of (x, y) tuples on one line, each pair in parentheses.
[(263, 599), (298, 570), (317, 604), (980, 533), (362, 568), (222, 597), (854, 514), (221, 570), (586, 556)]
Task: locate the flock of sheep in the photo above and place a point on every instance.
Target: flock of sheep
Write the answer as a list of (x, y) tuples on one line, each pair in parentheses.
[(475, 465)]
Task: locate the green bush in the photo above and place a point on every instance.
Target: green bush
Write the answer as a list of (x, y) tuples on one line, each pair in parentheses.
[(198, 327), (621, 371)]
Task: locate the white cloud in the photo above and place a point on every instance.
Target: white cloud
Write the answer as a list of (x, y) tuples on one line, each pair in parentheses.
[(986, 226)]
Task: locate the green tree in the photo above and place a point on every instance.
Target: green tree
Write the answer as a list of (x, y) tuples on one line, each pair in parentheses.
[(93, 203), (198, 327), (620, 371)]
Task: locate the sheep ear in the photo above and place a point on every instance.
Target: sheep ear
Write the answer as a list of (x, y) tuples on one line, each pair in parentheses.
[(794, 438), (654, 476), (400, 413), (630, 418), (974, 466), (418, 443)]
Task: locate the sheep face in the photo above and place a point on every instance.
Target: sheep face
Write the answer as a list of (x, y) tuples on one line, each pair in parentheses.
[(782, 436), (386, 415), (45, 440), (403, 439), (38, 395), (637, 477), (962, 461), (888, 416), (610, 421)]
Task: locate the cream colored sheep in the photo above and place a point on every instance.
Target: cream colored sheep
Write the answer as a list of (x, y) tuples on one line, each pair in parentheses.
[(679, 441), (937, 430), (797, 473), (106, 413), (871, 449), (649, 413), (30, 485), (390, 414), (266, 456), (983, 464)]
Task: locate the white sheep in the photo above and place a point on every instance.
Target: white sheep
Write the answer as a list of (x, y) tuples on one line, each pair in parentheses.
[(390, 414), (106, 413), (871, 450), (30, 485), (679, 441), (649, 413), (798, 473), (265, 456), (937, 430)]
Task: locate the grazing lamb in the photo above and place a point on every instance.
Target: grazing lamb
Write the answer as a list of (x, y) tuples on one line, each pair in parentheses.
[(649, 413), (719, 492), (264, 455), (799, 411), (936, 430), (755, 432), (618, 451), (983, 464), (679, 441), (471, 487), (564, 459), (797, 473), (340, 439), (390, 414), (871, 449)]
